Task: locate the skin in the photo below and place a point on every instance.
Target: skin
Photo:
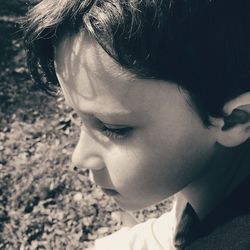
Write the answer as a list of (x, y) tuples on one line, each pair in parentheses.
[(166, 148)]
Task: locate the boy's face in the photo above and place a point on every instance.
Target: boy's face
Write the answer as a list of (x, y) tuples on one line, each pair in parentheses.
[(140, 138)]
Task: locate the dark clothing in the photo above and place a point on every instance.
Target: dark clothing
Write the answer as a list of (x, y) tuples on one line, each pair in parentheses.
[(233, 235), (226, 227)]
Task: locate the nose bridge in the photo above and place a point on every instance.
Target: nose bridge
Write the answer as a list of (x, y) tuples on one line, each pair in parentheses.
[(88, 153)]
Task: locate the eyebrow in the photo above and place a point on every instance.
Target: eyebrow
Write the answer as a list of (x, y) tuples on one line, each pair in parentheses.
[(107, 115), (102, 114)]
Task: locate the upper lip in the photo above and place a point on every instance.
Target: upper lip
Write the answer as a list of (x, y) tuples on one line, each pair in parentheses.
[(102, 185)]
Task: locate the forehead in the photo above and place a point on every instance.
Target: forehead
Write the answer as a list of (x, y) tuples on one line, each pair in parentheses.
[(92, 82), (89, 77), (81, 63), (85, 51)]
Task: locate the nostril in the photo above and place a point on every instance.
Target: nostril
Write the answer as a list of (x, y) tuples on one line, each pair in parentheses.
[(75, 168)]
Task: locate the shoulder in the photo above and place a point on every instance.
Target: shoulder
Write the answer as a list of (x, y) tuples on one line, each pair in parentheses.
[(232, 235)]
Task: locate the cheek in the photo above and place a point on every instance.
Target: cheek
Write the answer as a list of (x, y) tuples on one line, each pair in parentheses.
[(140, 179), (156, 165), (125, 167), (141, 171)]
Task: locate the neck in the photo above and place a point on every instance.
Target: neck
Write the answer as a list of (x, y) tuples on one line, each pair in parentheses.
[(226, 170)]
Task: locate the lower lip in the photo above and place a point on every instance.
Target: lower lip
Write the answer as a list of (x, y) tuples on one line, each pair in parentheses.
[(110, 192)]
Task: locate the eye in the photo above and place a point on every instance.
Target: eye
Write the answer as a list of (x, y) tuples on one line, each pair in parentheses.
[(116, 132)]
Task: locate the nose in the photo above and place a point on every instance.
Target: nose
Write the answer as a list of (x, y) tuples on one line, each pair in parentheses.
[(88, 153)]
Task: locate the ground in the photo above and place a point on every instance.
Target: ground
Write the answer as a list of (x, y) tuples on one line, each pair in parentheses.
[(45, 203)]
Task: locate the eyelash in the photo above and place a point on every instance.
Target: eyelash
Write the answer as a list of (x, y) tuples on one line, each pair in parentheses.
[(115, 133)]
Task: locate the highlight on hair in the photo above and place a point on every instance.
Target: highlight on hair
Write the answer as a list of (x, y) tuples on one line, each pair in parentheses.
[(203, 45)]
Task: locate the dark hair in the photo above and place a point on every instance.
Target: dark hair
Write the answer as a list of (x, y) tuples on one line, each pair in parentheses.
[(203, 45)]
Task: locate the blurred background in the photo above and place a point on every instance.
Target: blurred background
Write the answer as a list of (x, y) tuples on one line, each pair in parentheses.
[(45, 203)]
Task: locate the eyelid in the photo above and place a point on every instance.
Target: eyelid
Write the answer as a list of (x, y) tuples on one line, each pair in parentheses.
[(116, 133), (114, 126), (82, 119), (112, 131)]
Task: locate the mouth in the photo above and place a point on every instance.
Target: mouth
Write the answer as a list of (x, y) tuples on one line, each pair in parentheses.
[(110, 192)]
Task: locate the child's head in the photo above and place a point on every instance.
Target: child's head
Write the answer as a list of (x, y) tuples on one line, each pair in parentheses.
[(170, 67)]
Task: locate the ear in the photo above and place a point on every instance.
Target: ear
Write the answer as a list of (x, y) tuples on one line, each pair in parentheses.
[(233, 128)]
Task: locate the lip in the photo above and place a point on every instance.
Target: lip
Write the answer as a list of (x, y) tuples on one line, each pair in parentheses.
[(110, 192)]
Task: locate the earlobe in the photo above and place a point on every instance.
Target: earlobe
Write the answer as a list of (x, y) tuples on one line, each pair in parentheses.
[(234, 128)]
